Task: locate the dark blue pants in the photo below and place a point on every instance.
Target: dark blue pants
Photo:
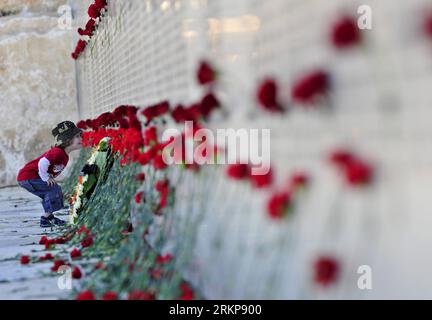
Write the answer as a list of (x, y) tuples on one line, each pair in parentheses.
[(52, 196)]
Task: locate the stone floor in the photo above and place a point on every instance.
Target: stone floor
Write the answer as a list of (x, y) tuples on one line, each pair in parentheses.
[(20, 212)]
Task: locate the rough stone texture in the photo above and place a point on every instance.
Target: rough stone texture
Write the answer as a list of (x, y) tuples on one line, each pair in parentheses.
[(31, 5), (37, 82)]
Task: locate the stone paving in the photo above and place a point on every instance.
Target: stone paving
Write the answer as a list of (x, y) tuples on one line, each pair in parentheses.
[(20, 233)]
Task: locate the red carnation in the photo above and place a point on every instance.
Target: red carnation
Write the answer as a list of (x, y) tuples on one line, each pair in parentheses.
[(48, 256), (76, 273), (163, 188), (182, 114), (155, 273), (298, 180), (150, 136), (238, 171), (279, 205), (57, 265), (85, 295), (313, 85), (164, 259), (428, 26), (87, 242), (341, 158), (345, 33), (138, 197), (158, 162), (75, 253), (94, 11), (101, 3), (154, 111), (25, 259), (60, 240), (89, 29), (208, 103), (81, 124), (262, 180), (140, 295), (358, 173), (83, 229), (206, 73), (100, 265), (187, 291), (326, 271), (140, 177), (43, 240), (50, 244), (267, 96), (111, 295)]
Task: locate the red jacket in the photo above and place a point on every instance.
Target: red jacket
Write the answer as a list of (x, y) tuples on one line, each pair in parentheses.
[(48, 165)]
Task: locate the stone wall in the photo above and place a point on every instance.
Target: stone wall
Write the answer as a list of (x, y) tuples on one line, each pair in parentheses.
[(37, 81)]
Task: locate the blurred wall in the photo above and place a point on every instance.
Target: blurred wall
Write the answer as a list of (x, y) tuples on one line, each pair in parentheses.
[(148, 51), (37, 81)]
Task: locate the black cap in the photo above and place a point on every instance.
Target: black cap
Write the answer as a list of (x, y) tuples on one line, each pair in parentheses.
[(65, 131)]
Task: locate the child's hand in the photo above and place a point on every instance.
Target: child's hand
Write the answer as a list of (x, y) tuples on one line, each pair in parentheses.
[(51, 182)]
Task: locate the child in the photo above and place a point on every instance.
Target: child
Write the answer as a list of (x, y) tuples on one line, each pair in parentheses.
[(38, 175)]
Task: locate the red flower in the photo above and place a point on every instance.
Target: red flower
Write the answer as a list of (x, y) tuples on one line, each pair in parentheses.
[(307, 89), (428, 26), (140, 177), (76, 273), (154, 111), (345, 33), (155, 273), (50, 244), (163, 188), (100, 265), (75, 253), (358, 173), (87, 242), (206, 73), (111, 295), (60, 240), (326, 271), (138, 197), (25, 259), (278, 205), (262, 180), (48, 256), (101, 3), (158, 162), (298, 180), (267, 96), (43, 240), (164, 259), (85, 295), (94, 11), (140, 295), (150, 136), (208, 103), (83, 229), (187, 291), (238, 171), (89, 29), (341, 158), (57, 265)]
